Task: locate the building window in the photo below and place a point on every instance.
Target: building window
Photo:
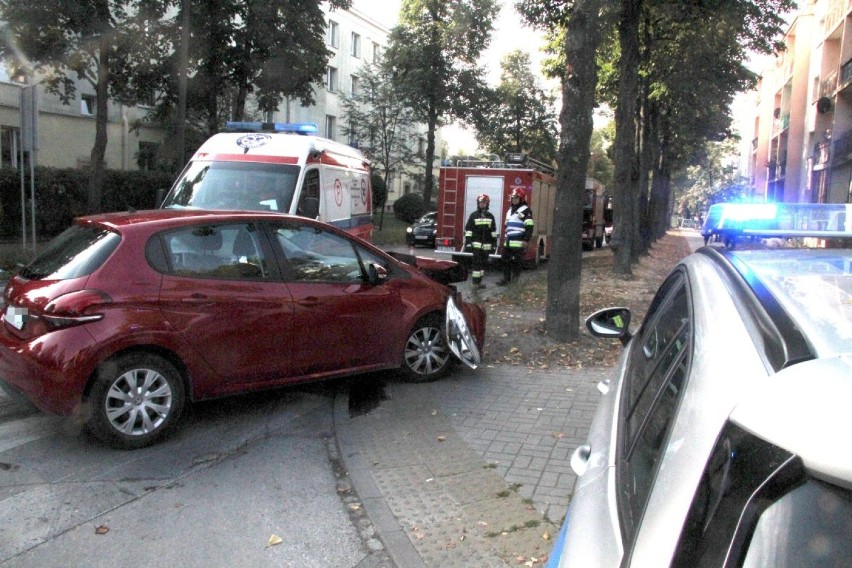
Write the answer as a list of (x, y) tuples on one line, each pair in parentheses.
[(9, 154), (149, 100), (87, 105), (356, 45), (353, 135), (356, 87), (331, 80), (330, 126), (332, 34), (376, 52), (147, 157)]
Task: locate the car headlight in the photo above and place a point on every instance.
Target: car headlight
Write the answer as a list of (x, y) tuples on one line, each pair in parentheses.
[(409, 230)]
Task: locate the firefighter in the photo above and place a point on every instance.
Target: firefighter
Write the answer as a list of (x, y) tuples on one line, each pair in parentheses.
[(480, 234), (518, 230)]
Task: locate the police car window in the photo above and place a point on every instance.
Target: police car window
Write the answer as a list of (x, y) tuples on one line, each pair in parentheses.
[(316, 255), (216, 251), (656, 373)]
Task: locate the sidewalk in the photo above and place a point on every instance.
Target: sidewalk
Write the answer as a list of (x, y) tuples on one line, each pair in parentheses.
[(471, 470)]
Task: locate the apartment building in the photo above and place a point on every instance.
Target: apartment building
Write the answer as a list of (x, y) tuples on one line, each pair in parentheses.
[(801, 149), (66, 133)]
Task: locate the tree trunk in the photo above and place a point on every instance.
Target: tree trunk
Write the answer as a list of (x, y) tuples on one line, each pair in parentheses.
[(578, 99), (428, 179), (626, 168), (96, 159), (647, 153)]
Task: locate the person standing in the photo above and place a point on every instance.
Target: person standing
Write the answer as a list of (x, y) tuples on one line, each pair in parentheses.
[(480, 235), (518, 231)]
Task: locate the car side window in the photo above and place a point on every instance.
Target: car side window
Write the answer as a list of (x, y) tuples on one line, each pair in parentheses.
[(316, 255), (656, 373), (216, 251)]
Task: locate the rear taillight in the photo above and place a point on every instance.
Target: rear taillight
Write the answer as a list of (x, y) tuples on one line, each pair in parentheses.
[(74, 308)]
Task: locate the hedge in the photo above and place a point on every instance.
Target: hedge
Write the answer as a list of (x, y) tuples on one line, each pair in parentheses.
[(61, 195)]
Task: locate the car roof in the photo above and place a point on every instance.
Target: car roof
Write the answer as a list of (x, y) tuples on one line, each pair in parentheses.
[(167, 217), (812, 287)]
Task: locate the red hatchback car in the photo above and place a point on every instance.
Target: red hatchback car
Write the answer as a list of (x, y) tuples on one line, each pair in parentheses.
[(124, 317)]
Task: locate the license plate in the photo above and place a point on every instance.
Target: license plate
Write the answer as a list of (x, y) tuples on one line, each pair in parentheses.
[(15, 316), (421, 237), (446, 249)]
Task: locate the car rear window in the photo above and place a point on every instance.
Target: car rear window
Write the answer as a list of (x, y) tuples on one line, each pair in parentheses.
[(77, 251)]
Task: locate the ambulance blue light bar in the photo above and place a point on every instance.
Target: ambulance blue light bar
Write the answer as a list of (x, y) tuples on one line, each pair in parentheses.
[(289, 127)]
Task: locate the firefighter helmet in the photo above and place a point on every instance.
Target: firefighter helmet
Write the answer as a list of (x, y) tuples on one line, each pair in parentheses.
[(483, 197), (518, 192)]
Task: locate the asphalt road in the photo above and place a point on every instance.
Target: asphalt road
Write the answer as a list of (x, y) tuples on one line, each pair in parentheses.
[(237, 473)]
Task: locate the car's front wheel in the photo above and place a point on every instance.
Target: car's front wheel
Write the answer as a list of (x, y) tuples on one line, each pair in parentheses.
[(426, 356), (135, 400)]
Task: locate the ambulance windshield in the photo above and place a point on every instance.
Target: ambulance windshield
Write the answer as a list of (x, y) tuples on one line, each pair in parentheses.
[(234, 185)]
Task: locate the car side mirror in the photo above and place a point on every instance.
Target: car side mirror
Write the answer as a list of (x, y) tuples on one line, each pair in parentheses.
[(611, 323), (376, 273)]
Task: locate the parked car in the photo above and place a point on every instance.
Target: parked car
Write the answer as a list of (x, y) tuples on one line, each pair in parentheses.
[(722, 438), (422, 232), (125, 317)]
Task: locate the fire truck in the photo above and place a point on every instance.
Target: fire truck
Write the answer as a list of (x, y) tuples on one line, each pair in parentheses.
[(597, 214), (462, 180)]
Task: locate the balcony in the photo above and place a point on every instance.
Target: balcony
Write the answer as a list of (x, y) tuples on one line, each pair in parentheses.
[(845, 74), (828, 85), (841, 148)]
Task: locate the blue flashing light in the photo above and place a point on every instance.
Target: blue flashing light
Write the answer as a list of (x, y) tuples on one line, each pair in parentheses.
[(288, 127), (780, 220)]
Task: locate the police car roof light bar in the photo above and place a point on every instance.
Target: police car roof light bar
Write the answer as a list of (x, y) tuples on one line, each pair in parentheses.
[(288, 127)]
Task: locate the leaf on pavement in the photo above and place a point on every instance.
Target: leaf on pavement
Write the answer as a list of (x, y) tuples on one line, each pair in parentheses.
[(274, 539), (103, 529)]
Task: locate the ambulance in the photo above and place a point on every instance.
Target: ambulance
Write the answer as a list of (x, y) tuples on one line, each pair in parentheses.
[(279, 167)]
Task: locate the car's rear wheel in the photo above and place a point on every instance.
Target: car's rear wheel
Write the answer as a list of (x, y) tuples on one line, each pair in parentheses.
[(426, 356), (135, 400)]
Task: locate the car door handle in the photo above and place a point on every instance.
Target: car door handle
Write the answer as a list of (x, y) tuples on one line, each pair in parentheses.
[(196, 298), (580, 459), (309, 302)]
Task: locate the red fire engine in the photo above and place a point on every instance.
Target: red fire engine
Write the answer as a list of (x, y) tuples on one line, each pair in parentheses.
[(460, 183)]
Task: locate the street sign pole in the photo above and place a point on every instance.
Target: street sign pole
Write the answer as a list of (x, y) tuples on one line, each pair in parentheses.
[(29, 143)]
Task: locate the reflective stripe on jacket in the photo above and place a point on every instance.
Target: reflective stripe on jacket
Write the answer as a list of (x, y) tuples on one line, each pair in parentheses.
[(519, 226)]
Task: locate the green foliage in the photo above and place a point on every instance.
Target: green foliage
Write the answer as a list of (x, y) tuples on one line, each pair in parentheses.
[(380, 190), (520, 116), (61, 195), (409, 207), (712, 179), (432, 54)]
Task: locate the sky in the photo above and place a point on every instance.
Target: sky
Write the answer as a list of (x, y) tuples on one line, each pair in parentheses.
[(509, 35)]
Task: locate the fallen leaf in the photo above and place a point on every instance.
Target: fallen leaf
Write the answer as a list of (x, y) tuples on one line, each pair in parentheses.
[(546, 536), (434, 413), (103, 529), (442, 438), (274, 539), (558, 435), (354, 506)]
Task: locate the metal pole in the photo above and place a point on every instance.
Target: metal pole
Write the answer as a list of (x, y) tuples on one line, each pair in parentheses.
[(32, 196), (23, 194)]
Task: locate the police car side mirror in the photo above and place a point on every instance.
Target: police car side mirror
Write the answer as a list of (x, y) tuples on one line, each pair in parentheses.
[(612, 323)]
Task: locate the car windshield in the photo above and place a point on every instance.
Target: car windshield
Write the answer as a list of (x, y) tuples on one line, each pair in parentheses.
[(235, 185), (814, 287), (77, 251)]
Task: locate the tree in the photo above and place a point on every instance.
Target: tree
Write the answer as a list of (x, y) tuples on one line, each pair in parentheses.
[(433, 55), (519, 118), (582, 21), (108, 43), (381, 123), (712, 179)]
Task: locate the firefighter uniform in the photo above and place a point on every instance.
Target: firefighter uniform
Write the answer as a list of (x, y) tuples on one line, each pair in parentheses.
[(480, 234), (518, 231)]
